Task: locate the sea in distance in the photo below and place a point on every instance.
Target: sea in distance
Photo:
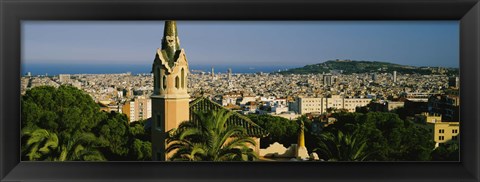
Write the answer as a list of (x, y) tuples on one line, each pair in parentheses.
[(55, 69)]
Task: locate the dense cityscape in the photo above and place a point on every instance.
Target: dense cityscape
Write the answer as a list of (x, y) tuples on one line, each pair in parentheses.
[(236, 89), (285, 95), (338, 110), (266, 93)]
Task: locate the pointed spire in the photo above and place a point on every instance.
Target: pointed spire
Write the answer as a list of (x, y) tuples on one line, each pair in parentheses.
[(170, 41), (301, 136), (170, 28)]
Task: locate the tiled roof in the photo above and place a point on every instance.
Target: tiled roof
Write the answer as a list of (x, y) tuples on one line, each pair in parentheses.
[(203, 104)]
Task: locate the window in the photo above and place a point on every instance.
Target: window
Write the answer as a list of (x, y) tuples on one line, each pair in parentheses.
[(440, 138), (164, 82), (183, 78), (156, 77), (177, 82), (441, 131), (454, 137), (454, 131)]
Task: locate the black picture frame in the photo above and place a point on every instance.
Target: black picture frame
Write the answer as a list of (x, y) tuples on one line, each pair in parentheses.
[(14, 11)]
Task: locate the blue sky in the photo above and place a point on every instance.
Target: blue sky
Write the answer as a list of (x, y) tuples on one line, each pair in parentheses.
[(261, 43)]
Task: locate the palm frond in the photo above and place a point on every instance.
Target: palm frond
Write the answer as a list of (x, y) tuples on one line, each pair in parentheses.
[(208, 138)]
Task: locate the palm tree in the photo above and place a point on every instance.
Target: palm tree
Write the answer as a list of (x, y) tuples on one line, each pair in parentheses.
[(342, 147), (80, 147), (42, 144), (210, 138)]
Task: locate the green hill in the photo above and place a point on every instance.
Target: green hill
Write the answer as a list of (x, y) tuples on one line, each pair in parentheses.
[(351, 66)]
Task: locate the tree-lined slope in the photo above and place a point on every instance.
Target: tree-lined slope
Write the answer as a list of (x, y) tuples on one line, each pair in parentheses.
[(351, 66)]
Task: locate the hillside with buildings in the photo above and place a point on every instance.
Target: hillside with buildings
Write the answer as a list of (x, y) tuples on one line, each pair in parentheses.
[(352, 66)]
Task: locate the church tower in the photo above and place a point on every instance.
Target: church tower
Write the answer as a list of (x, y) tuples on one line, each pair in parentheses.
[(170, 100)]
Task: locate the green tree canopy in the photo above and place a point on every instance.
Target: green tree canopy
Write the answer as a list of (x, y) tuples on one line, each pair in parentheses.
[(447, 152), (342, 147), (281, 130), (65, 123), (388, 138)]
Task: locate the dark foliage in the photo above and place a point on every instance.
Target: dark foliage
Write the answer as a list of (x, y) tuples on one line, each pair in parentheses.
[(71, 123), (281, 130)]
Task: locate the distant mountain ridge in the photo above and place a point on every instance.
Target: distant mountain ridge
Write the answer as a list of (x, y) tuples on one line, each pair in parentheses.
[(352, 66)]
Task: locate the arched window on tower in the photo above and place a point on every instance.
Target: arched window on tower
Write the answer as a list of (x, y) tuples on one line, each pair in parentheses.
[(177, 82), (183, 78), (164, 82), (157, 78)]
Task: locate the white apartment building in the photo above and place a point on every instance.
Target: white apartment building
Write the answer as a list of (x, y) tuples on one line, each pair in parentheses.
[(279, 109), (230, 98), (320, 105), (244, 100), (64, 78), (268, 99)]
